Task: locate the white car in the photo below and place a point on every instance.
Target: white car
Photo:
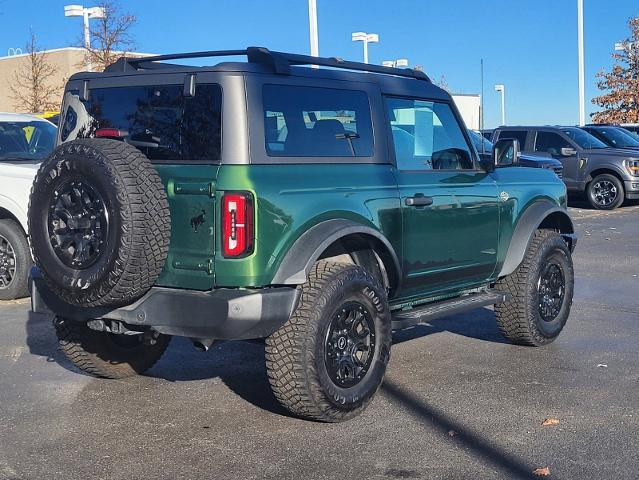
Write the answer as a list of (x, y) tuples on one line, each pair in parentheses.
[(25, 140)]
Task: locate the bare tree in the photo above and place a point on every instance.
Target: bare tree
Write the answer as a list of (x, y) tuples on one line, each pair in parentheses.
[(32, 88), (443, 84), (110, 36), (620, 102)]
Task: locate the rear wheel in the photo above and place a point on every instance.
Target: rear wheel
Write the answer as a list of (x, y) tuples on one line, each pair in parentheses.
[(329, 359), (541, 288), (605, 192), (15, 261), (108, 355)]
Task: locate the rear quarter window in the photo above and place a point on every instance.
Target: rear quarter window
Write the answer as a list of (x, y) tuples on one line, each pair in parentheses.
[(158, 120), (316, 122)]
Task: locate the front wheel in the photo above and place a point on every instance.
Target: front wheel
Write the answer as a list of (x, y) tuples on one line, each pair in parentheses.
[(541, 288), (605, 192), (15, 261), (108, 355), (327, 362)]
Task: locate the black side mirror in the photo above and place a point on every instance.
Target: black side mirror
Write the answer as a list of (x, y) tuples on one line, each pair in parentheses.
[(506, 152)]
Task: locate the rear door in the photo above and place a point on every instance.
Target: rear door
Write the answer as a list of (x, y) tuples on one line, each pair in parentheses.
[(450, 215), (179, 130)]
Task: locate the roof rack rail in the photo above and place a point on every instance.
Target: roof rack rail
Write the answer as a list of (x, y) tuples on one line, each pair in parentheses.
[(279, 62)]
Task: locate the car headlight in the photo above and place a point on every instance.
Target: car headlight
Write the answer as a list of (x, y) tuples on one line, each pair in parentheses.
[(632, 165)]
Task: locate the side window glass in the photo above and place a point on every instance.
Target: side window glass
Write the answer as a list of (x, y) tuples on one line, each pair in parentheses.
[(316, 122), (551, 143), (519, 135), (427, 136)]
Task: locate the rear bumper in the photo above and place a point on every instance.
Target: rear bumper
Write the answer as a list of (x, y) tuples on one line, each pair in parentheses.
[(226, 314)]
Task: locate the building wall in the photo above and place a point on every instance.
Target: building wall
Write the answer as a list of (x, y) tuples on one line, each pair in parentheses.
[(469, 105), (67, 61)]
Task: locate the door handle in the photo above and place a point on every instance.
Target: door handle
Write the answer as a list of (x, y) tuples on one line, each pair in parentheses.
[(418, 201)]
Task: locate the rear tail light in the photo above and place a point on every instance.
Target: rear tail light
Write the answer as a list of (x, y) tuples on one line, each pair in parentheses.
[(110, 133), (237, 224)]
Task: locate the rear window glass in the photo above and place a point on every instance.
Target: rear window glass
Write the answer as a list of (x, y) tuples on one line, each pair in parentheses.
[(159, 120), (316, 122)]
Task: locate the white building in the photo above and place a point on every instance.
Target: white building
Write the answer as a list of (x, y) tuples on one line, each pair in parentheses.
[(469, 105)]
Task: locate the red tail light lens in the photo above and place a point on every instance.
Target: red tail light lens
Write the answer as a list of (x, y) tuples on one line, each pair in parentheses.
[(237, 224), (110, 133)]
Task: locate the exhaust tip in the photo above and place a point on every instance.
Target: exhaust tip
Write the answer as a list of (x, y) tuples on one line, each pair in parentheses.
[(202, 344)]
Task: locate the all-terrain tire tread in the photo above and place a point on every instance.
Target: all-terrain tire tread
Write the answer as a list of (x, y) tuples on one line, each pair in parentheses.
[(145, 217), (291, 380), (513, 318), (72, 337)]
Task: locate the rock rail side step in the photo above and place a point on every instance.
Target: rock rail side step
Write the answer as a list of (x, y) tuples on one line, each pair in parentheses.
[(423, 313)]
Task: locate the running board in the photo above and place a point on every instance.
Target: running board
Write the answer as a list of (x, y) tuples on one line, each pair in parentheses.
[(424, 313)]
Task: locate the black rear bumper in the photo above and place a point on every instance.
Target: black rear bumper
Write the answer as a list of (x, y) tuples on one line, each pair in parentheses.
[(225, 313)]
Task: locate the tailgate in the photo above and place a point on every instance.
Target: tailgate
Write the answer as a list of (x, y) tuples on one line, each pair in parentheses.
[(191, 193)]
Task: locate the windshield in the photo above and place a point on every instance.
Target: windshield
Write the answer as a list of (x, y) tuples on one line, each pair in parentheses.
[(481, 143), (583, 138), (26, 140), (615, 137)]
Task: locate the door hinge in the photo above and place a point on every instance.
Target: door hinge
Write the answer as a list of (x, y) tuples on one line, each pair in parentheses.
[(207, 266), (194, 188)]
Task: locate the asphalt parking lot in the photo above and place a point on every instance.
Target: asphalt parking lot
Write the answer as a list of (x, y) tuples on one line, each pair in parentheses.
[(458, 402)]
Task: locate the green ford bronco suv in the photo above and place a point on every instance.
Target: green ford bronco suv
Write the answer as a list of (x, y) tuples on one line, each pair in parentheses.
[(318, 208)]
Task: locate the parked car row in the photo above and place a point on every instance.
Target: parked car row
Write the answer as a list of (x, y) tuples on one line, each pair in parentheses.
[(25, 140), (485, 147), (601, 161)]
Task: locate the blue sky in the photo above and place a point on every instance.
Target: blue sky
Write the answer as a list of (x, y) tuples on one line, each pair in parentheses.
[(530, 46)]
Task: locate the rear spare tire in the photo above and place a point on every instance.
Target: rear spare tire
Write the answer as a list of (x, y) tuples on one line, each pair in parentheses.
[(99, 223)]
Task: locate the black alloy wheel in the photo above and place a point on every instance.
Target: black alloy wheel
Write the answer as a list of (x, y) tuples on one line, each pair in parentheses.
[(349, 344), (78, 224), (551, 289)]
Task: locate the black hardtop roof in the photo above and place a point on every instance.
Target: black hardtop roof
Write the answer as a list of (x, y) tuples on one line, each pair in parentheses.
[(262, 60)]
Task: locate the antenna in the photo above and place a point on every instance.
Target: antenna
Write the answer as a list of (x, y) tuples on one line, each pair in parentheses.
[(481, 106)]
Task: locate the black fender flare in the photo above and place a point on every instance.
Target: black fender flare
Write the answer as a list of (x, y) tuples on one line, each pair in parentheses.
[(311, 244), (528, 223)]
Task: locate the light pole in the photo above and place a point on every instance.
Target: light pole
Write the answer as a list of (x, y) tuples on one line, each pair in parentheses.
[(86, 14), (501, 88), (582, 81), (312, 29), (366, 38), (399, 63)]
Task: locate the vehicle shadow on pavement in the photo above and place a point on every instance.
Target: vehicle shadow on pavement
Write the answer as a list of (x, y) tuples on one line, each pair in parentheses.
[(240, 364), (478, 446), (479, 324), (41, 340)]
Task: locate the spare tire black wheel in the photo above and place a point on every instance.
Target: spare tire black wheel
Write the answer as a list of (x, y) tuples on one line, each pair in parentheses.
[(99, 223)]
